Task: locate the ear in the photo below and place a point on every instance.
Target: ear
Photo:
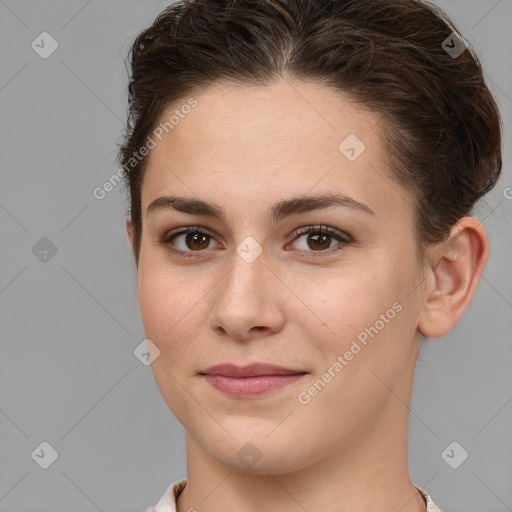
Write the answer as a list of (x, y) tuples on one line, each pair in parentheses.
[(455, 269), (129, 231)]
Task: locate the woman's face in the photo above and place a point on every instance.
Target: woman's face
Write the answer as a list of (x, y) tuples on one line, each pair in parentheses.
[(340, 308)]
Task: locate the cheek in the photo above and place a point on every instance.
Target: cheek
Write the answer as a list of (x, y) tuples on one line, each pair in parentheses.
[(152, 300), (168, 314), (367, 325), (160, 299), (349, 301), (365, 315), (172, 309)]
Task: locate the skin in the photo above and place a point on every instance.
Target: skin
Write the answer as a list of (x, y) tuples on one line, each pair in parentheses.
[(244, 149)]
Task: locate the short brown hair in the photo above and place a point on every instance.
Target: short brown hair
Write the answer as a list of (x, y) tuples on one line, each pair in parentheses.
[(442, 136)]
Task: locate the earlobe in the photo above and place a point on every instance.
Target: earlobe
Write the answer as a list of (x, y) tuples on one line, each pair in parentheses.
[(455, 266)]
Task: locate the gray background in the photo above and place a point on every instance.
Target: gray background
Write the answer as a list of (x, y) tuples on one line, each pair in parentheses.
[(70, 324)]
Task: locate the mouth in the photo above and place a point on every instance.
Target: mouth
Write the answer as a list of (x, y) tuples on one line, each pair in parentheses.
[(252, 380), (251, 370)]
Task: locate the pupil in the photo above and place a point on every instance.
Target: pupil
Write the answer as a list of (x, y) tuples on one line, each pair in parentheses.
[(320, 236), (195, 238)]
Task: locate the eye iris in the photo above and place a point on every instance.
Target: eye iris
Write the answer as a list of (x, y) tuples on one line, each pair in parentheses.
[(201, 239), (320, 238)]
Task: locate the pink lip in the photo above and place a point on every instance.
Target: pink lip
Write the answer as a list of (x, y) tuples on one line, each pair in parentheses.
[(250, 386), (254, 379), (251, 370)]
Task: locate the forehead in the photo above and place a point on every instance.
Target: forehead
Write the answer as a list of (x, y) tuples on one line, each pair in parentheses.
[(253, 145), (229, 114)]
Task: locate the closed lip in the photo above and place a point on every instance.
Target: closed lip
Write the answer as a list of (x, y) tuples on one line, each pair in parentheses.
[(251, 370)]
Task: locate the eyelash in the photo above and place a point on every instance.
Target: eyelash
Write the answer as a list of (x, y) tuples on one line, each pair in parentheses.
[(343, 238)]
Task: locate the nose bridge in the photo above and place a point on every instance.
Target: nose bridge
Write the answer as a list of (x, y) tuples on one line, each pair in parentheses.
[(244, 300), (247, 271), (247, 263)]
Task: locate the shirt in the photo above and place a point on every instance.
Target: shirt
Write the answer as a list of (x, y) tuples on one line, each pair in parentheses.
[(168, 502)]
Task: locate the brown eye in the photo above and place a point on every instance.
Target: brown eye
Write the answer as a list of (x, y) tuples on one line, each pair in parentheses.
[(197, 241), (319, 241), (190, 241)]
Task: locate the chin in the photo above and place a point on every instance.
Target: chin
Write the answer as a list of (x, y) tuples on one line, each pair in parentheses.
[(256, 454)]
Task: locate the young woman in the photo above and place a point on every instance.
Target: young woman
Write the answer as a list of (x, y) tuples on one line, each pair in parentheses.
[(301, 177)]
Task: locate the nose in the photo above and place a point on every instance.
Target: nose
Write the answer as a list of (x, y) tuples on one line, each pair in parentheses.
[(247, 303)]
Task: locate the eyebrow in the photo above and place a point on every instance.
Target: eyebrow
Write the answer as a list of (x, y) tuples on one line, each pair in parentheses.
[(277, 212)]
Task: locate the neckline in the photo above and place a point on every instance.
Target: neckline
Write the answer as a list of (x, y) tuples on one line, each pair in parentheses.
[(177, 489)]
